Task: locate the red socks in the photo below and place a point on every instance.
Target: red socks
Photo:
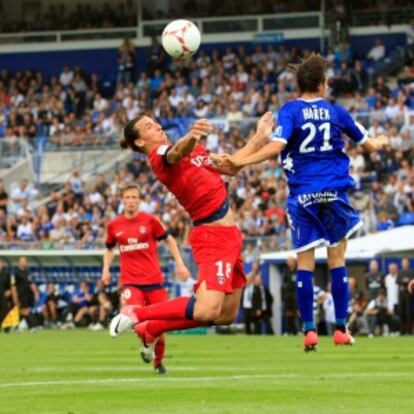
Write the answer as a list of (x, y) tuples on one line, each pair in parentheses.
[(155, 328), (171, 309), (159, 350)]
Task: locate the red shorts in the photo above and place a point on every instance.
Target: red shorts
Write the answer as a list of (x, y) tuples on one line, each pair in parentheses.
[(217, 252), (131, 295)]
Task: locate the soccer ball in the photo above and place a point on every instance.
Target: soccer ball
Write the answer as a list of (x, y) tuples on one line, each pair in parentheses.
[(181, 39)]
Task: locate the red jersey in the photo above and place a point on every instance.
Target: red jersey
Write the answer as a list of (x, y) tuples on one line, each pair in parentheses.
[(194, 181), (137, 241)]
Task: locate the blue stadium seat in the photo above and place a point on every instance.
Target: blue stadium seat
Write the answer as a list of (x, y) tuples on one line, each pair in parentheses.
[(405, 219)]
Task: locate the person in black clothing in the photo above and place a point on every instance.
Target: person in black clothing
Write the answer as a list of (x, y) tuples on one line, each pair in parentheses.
[(262, 302), (155, 56), (405, 276), (374, 280), (4, 198), (26, 291), (290, 312), (126, 62), (377, 313), (247, 300), (6, 300), (359, 77)]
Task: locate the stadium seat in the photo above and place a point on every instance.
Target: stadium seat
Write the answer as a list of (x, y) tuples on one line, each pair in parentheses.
[(406, 219)]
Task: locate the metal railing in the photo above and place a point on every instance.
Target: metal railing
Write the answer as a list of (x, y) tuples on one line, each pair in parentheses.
[(11, 150), (68, 35), (208, 26), (382, 17)]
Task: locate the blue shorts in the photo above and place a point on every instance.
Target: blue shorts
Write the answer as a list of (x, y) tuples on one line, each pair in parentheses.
[(323, 218)]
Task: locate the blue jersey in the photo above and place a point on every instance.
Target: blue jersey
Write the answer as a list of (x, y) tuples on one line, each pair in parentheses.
[(313, 158)]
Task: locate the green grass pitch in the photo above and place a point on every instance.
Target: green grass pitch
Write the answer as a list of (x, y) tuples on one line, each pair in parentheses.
[(86, 372)]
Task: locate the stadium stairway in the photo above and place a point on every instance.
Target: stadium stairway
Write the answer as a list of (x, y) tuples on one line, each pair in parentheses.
[(58, 166), (21, 169)]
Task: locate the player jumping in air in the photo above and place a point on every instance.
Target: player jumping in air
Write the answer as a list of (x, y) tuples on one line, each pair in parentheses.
[(309, 138), (136, 234), (186, 170)]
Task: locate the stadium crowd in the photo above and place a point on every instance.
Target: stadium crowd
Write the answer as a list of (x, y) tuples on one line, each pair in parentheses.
[(231, 89)]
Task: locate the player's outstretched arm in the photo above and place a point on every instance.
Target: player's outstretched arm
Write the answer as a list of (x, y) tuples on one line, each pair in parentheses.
[(185, 146), (181, 270), (270, 150), (375, 144), (231, 165), (264, 129), (108, 258)]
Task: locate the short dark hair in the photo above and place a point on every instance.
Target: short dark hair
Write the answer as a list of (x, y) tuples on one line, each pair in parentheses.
[(131, 134), (129, 187), (311, 73)]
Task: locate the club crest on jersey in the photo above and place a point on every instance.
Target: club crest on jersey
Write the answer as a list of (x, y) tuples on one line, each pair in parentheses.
[(221, 280), (126, 294), (142, 229), (288, 164)]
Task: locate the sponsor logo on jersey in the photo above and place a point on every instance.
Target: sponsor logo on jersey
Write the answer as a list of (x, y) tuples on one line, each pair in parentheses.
[(317, 198), (201, 160), (132, 247), (120, 233)]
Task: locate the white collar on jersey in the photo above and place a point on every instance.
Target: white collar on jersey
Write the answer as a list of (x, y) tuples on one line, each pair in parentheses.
[(310, 100)]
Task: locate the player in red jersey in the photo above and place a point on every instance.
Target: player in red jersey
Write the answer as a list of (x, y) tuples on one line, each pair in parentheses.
[(186, 169), (137, 234)]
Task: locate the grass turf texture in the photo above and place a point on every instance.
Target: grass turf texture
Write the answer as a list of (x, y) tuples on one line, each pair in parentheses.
[(88, 372)]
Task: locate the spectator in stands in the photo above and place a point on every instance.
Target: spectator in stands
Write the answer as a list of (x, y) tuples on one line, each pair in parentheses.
[(20, 193), (359, 77), (4, 198), (66, 76), (126, 62), (377, 52), (342, 81), (392, 288), (156, 56), (374, 280), (410, 39)]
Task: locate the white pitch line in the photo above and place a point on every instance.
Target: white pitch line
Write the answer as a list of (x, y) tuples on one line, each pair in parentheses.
[(201, 379)]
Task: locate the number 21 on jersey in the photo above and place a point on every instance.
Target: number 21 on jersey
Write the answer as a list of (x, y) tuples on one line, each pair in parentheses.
[(307, 146)]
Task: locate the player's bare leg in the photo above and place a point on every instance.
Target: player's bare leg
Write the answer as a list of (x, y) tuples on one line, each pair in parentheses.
[(209, 304), (304, 293), (339, 277), (230, 308)]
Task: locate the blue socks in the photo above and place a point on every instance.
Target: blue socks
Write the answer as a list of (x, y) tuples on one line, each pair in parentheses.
[(340, 294), (304, 294)]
